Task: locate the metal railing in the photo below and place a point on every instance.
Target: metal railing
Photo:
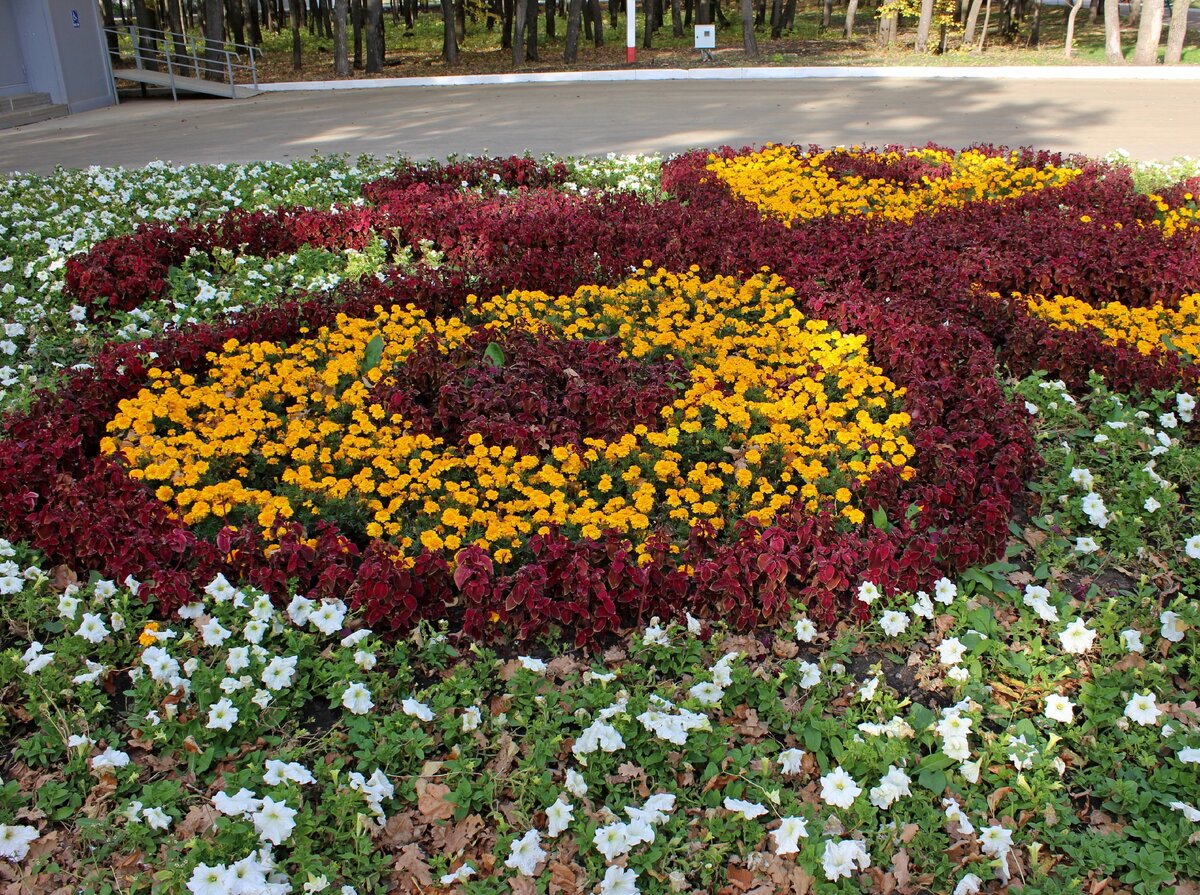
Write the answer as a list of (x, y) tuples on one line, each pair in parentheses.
[(153, 50)]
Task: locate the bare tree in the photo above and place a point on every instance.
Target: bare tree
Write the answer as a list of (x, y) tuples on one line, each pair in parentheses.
[(749, 40), (374, 36), (214, 40), (851, 12), (449, 33), (574, 16), (1150, 32), (972, 20), (341, 54), (1069, 43), (1112, 33), (1177, 33), (923, 24)]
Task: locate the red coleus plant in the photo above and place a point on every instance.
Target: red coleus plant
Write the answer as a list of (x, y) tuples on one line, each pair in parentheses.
[(919, 291)]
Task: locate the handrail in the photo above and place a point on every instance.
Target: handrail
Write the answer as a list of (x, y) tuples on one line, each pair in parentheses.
[(152, 47)]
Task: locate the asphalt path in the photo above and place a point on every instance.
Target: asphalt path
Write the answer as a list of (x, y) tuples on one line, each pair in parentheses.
[(1149, 119)]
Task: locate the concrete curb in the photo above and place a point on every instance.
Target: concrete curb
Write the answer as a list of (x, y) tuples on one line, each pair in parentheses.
[(1017, 73)]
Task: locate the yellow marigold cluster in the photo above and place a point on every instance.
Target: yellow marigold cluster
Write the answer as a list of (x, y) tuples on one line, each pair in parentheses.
[(1151, 329), (1176, 219), (778, 410), (796, 186)]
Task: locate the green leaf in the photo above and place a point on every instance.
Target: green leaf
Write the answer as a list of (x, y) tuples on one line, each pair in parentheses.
[(880, 520), (493, 355), (373, 354)]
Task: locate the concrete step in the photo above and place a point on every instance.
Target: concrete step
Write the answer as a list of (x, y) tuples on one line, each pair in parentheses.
[(23, 101), (32, 114)]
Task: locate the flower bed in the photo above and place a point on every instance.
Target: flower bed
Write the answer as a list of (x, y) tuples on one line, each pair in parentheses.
[(934, 493), (270, 564)]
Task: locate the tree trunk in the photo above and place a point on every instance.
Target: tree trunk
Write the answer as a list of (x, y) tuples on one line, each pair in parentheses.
[(255, 26), (551, 19), (374, 36), (851, 12), (235, 15), (648, 29), (776, 19), (1069, 43), (1135, 13), (531, 31), (1150, 32), (613, 9), (987, 18), (518, 36), (972, 21), (296, 62), (214, 40), (1177, 33), (1035, 28), (110, 21), (1112, 33), (887, 30), (749, 40), (449, 33), (1095, 11), (574, 14), (147, 46), (175, 24), (676, 19), (357, 18), (923, 23), (597, 22), (341, 55)]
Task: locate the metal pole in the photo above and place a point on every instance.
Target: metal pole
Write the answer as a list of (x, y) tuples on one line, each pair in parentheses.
[(253, 70), (630, 31), (171, 70), (229, 66), (137, 51), (108, 64)]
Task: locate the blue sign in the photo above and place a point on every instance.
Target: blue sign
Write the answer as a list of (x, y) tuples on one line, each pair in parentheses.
[(74, 18)]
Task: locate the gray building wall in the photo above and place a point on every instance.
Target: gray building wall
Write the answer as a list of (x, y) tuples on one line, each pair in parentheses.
[(12, 59), (62, 47)]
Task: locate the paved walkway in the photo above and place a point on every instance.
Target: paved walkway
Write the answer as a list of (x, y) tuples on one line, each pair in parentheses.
[(1150, 119)]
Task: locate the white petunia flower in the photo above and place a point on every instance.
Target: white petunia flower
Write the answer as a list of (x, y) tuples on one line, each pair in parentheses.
[(526, 853), (222, 715), (1192, 547), (357, 699), (868, 592), (944, 591), (842, 858), (969, 885), (213, 634), (279, 672), (465, 872), (575, 784), (156, 818), (109, 760), (1086, 545), (790, 761), (1189, 755), (471, 718), (951, 651), (619, 881), (417, 709), (206, 880), (243, 803), (1188, 811), (15, 840), (537, 666), (1059, 708), (805, 630), (612, 840), (1038, 599), (922, 607), (92, 628), (1172, 626), (558, 816), (789, 834), (1132, 639), (299, 610), (748, 810), (1151, 505), (706, 693), (274, 821), (955, 815), (893, 786), (1143, 709), (1083, 478), (810, 675), (839, 789), (328, 617), (1077, 637), (893, 623)]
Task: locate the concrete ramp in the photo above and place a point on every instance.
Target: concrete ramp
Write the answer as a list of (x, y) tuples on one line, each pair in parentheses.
[(185, 84)]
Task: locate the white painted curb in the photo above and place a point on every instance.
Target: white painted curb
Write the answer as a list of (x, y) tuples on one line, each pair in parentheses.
[(895, 72)]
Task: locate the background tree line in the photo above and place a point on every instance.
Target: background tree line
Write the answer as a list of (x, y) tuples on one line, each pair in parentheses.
[(357, 28)]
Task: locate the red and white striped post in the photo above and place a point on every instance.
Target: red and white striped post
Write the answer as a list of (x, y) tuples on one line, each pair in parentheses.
[(630, 31)]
